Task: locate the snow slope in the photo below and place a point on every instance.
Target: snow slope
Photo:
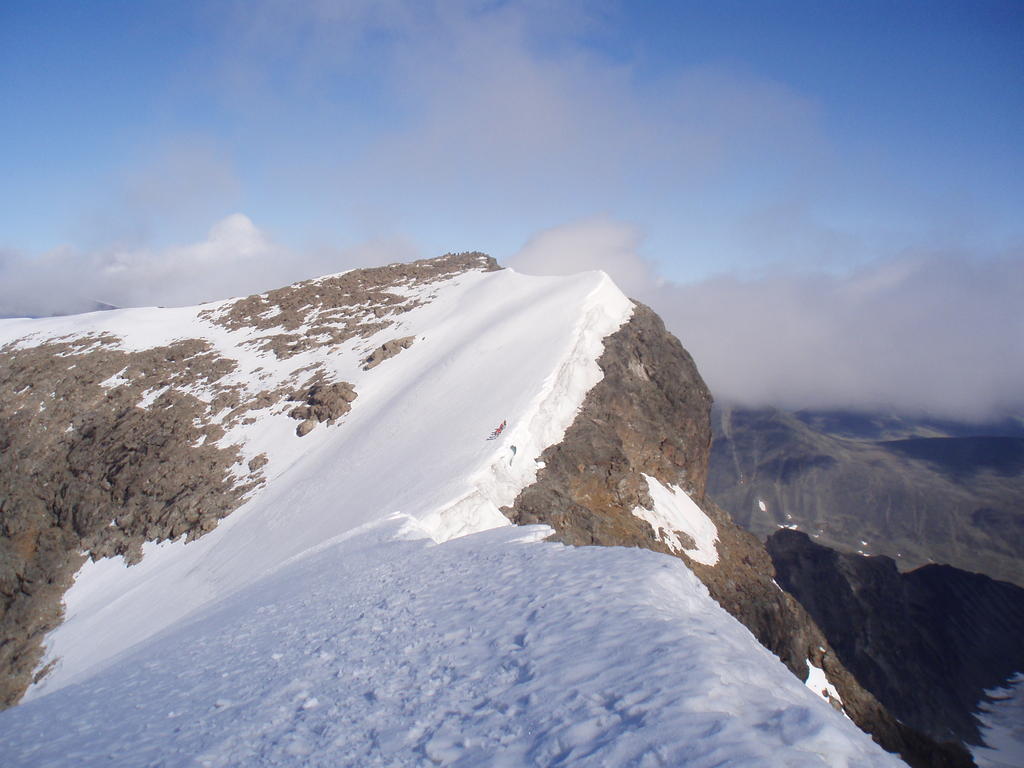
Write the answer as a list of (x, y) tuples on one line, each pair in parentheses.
[(360, 609), (491, 346), (491, 649), (1002, 727)]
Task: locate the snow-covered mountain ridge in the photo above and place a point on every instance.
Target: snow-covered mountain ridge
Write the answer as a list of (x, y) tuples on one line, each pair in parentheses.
[(338, 430), (411, 445)]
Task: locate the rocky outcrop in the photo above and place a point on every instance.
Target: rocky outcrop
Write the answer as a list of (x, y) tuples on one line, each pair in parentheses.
[(650, 416), (386, 351), (329, 311), (321, 402), (927, 643), (85, 471)]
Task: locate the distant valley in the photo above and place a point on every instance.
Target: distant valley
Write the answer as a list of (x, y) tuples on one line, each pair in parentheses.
[(918, 491)]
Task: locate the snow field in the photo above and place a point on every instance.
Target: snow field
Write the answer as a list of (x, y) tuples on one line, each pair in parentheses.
[(495, 649)]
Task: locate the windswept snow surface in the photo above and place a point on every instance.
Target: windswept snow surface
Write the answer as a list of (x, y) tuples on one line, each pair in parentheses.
[(494, 649), (1002, 727), (489, 346)]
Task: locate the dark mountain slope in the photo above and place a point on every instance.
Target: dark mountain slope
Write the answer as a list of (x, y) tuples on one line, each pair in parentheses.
[(964, 457), (956, 499), (927, 643)]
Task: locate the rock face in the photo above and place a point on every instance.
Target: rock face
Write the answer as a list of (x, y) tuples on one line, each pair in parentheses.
[(387, 350), (650, 415), (918, 492), (84, 469), (321, 402), (927, 643)]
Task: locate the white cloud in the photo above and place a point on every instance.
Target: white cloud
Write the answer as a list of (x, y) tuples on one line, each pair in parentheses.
[(487, 121), (171, 185), (584, 245), (236, 258), (936, 333)]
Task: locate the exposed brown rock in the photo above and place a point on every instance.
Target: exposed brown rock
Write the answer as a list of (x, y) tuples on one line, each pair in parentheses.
[(386, 351), (650, 414), (258, 462), (83, 468), (332, 310), (321, 402)]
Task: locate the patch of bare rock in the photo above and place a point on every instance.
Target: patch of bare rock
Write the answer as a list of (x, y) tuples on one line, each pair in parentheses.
[(321, 402), (330, 311), (84, 469), (387, 350)]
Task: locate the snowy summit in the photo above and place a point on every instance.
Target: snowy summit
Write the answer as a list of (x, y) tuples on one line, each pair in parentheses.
[(302, 550)]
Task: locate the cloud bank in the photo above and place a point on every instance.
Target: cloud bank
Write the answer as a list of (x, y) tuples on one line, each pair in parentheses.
[(936, 333), (235, 259)]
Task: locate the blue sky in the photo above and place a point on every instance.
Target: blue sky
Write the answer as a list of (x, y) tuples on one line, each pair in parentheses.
[(896, 120), (722, 139)]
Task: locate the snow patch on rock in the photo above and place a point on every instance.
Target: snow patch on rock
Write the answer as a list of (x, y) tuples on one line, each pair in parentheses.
[(673, 511), (819, 683)]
